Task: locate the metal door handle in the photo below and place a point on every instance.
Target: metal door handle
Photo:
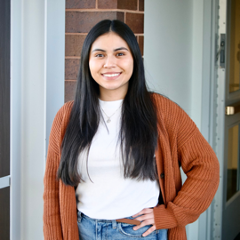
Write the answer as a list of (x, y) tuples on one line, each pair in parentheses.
[(232, 109)]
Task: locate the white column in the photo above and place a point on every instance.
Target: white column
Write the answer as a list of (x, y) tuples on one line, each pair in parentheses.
[(37, 92)]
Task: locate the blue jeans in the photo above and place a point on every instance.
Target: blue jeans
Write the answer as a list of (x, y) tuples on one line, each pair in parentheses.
[(95, 229)]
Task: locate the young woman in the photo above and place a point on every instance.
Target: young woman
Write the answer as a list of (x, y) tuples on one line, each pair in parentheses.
[(114, 155)]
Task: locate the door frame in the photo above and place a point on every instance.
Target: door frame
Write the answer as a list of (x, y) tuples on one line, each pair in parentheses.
[(207, 224), (219, 80), (220, 134)]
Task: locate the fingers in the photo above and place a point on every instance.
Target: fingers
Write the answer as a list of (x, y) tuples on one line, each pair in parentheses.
[(145, 214), (144, 223), (144, 211), (146, 217), (149, 231)]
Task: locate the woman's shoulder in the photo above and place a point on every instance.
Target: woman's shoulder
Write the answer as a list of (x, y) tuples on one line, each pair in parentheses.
[(63, 114), (65, 109), (171, 114), (165, 105), (59, 125)]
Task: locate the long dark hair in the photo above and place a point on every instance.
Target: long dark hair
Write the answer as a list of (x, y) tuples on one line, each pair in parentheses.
[(138, 132)]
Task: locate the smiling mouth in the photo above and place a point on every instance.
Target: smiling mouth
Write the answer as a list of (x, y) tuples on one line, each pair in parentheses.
[(110, 75)]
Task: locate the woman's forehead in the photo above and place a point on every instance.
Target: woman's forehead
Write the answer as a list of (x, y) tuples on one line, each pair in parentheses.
[(109, 41)]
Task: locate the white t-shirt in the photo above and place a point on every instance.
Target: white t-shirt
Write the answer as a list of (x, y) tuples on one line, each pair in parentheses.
[(107, 194)]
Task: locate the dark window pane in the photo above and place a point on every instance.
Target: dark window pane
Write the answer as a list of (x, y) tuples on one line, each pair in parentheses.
[(4, 88), (5, 213)]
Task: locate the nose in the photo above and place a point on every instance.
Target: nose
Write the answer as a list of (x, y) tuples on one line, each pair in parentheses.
[(110, 62)]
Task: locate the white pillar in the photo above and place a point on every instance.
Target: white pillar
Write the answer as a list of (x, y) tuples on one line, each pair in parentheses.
[(37, 92)]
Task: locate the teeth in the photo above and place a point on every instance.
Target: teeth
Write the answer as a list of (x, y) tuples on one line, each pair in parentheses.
[(111, 75)]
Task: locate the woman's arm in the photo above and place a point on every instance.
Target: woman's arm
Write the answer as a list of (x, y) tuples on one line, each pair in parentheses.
[(198, 161), (201, 166), (51, 216)]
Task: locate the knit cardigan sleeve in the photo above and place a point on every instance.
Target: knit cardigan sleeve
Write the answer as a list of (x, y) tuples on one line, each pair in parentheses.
[(51, 216), (199, 163)]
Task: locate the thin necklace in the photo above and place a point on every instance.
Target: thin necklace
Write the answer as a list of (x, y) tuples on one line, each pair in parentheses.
[(109, 117)]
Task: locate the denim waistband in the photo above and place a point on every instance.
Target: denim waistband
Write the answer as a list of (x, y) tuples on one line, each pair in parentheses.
[(80, 214), (101, 221)]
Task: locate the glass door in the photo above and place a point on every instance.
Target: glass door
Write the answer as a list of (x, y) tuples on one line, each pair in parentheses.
[(231, 176)]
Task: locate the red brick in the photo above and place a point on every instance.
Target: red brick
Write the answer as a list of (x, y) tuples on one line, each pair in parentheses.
[(73, 45), (70, 88), (127, 4), (107, 4), (141, 44), (82, 22), (135, 21), (80, 4), (71, 69), (141, 5)]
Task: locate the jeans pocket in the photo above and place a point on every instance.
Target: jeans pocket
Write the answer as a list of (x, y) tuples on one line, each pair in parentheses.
[(127, 230)]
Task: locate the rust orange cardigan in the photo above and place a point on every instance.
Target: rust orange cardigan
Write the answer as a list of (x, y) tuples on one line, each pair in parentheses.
[(179, 143)]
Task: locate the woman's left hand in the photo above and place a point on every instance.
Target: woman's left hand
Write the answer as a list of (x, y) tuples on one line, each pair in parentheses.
[(146, 218)]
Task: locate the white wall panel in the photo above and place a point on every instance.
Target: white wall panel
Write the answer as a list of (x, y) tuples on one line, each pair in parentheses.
[(167, 49), (173, 56), (37, 92)]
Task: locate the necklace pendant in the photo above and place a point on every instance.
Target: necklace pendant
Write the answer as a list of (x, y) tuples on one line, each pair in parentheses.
[(109, 120)]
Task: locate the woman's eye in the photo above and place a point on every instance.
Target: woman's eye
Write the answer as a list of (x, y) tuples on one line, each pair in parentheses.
[(99, 55), (120, 54)]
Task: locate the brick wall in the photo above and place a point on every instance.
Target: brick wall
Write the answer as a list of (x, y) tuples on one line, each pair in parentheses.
[(82, 15)]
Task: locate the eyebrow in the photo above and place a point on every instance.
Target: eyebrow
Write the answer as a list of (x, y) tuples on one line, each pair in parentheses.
[(115, 50)]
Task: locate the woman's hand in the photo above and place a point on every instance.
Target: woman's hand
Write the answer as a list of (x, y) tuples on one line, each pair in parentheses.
[(146, 218)]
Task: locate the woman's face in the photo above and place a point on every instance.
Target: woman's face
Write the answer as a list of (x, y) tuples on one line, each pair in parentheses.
[(111, 66)]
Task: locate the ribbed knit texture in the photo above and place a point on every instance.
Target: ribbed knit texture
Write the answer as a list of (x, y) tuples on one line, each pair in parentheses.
[(179, 142)]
